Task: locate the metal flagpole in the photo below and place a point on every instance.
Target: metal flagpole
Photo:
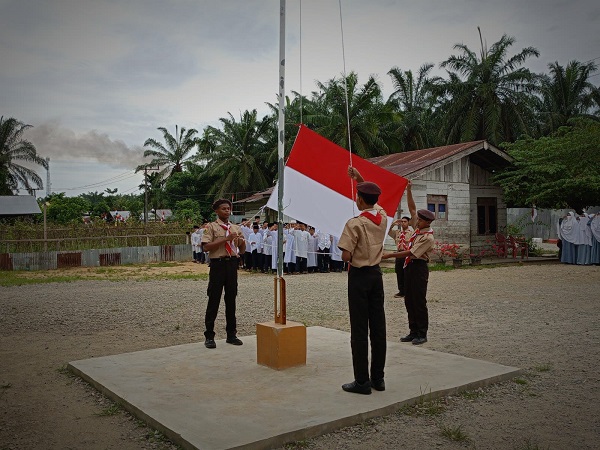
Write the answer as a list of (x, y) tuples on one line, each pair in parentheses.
[(280, 167)]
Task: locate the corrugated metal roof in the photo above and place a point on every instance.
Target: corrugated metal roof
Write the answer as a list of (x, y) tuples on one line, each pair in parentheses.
[(16, 205), (409, 162)]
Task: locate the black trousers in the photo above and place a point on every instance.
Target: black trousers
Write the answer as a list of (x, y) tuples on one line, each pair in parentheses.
[(222, 275), (416, 277), (399, 269), (301, 264), (257, 260), (367, 318), (323, 259)]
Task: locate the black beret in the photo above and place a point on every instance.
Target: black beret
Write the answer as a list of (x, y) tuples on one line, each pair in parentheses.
[(425, 214), (366, 187), (219, 202)]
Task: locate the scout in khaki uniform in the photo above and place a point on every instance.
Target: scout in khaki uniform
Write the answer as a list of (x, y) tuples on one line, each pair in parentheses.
[(225, 243), (362, 247), (416, 272), (401, 237)]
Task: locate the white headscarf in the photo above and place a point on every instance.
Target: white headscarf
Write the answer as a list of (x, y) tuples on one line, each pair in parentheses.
[(569, 229), (585, 232), (595, 226)]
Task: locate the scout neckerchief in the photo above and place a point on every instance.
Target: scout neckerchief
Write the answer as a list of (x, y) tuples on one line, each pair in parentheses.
[(229, 245), (373, 216), (412, 241), (402, 241)]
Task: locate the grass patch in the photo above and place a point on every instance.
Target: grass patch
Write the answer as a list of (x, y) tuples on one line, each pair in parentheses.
[(425, 405), (454, 433), (440, 267), (530, 445), (472, 395), (521, 381), (112, 410), (543, 368), (121, 273)]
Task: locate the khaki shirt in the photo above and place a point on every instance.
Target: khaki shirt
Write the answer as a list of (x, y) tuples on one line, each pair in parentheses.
[(364, 240), (214, 231), (423, 245)]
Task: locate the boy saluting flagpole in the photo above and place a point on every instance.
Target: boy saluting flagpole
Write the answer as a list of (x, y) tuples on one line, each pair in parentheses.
[(224, 243)]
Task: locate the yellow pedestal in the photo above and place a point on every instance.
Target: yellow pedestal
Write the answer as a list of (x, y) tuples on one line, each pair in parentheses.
[(280, 346)]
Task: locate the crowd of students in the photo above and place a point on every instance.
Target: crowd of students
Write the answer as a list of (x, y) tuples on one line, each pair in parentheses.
[(305, 249), (579, 239)]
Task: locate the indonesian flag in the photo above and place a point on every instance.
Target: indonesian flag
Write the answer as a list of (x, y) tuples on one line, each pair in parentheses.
[(317, 189)]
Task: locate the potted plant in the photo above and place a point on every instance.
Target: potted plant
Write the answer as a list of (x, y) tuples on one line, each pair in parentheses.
[(452, 251)]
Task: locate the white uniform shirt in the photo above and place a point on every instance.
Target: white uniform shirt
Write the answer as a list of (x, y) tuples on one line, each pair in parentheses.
[(255, 241), (301, 240)]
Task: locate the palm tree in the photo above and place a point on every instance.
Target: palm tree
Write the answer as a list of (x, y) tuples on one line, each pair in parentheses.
[(568, 93), (172, 157), (414, 100), (487, 97), (14, 176), (238, 154), (372, 122)]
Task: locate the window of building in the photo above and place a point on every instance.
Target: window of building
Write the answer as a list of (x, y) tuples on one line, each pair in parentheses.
[(438, 204), (487, 215)]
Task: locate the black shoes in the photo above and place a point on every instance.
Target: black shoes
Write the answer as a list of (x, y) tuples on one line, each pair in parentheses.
[(399, 295), (378, 385), (210, 343), (234, 341), (419, 340), (408, 338), (357, 388)]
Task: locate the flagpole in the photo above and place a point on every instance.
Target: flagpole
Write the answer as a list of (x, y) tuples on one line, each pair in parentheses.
[(280, 157)]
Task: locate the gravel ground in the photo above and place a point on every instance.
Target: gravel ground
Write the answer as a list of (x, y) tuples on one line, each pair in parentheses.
[(543, 318)]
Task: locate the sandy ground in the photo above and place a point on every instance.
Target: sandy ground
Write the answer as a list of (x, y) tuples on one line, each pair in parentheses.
[(543, 318)]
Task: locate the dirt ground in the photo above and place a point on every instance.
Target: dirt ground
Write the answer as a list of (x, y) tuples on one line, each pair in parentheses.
[(542, 318)]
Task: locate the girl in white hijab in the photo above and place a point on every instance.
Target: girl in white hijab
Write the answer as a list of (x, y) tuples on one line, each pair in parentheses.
[(595, 229), (569, 235)]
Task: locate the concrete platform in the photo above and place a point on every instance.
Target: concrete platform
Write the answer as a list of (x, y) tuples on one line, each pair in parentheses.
[(222, 399)]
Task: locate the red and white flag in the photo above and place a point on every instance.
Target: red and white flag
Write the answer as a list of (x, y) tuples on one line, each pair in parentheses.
[(317, 189)]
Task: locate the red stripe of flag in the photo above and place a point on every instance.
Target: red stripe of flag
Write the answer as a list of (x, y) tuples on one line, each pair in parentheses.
[(327, 164)]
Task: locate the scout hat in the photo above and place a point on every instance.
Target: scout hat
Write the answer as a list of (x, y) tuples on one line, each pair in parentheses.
[(425, 214), (219, 202)]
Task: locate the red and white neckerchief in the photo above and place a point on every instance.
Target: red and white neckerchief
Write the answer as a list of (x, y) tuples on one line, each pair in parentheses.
[(373, 216), (229, 245), (402, 241), (412, 241)]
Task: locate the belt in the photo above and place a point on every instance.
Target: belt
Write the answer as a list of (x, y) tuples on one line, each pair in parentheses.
[(366, 267), (223, 258)]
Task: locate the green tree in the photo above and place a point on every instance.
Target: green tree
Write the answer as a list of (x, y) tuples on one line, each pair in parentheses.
[(66, 210), (414, 99), (568, 93), (373, 122), (173, 154), (557, 171), (489, 96), (14, 149), (238, 155)]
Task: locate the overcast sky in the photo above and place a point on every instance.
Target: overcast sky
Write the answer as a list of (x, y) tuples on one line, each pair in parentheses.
[(96, 78)]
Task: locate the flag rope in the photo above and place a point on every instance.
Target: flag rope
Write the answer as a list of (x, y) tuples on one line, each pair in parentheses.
[(346, 94)]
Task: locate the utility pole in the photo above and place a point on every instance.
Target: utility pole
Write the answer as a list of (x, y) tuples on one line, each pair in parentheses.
[(146, 169)]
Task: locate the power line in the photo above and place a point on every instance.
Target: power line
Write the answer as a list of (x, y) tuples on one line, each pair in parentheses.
[(114, 179)]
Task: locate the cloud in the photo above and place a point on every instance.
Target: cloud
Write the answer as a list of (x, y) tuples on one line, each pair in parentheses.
[(59, 143)]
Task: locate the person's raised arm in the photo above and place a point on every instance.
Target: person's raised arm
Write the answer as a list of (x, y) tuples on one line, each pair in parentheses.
[(355, 174), (412, 207)]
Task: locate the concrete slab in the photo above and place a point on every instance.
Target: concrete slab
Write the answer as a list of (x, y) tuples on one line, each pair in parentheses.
[(222, 399)]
